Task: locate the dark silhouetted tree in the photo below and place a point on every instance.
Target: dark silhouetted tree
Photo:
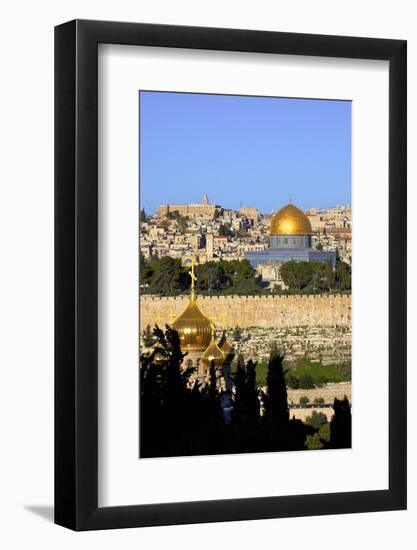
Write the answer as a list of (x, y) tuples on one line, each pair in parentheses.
[(341, 425), (147, 337), (164, 395), (246, 402), (276, 399), (237, 334)]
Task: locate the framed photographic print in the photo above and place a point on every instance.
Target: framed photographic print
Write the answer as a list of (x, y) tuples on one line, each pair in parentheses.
[(230, 234)]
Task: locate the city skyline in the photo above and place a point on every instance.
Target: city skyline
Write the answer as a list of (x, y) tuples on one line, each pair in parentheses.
[(299, 149)]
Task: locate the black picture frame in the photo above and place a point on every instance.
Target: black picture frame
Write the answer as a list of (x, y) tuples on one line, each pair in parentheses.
[(76, 272)]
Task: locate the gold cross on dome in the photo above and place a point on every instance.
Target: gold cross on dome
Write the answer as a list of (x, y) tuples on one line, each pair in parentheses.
[(191, 273)]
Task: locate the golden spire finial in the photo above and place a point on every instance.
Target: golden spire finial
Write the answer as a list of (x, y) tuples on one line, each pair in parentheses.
[(193, 279)]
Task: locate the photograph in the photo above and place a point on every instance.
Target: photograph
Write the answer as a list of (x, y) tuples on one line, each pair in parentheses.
[(208, 336), (245, 261)]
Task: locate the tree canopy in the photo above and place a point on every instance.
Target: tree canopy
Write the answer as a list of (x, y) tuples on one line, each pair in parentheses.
[(317, 276), (167, 276), (180, 417)]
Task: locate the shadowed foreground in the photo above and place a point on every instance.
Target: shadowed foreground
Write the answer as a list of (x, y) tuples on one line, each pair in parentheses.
[(178, 418)]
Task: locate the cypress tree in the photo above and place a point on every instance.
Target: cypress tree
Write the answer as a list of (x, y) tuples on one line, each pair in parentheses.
[(246, 404), (276, 399)]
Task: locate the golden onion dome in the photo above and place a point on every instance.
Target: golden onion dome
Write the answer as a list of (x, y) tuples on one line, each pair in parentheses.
[(290, 220), (213, 354), (193, 327)]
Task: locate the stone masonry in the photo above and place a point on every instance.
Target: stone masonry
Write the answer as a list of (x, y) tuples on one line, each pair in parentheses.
[(254, 311)]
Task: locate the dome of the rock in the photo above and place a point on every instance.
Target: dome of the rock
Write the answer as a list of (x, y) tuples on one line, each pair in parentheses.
[(290, 220)]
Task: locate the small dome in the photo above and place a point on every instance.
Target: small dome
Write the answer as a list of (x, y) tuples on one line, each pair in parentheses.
[(290, 220), (213, 354), (193, 327)]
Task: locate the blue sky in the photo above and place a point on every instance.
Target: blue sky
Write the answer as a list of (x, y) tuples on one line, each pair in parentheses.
[(244, 150)]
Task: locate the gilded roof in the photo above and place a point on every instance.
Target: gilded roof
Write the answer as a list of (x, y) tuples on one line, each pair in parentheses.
[(290, 220), (193, 327), (213, 354)]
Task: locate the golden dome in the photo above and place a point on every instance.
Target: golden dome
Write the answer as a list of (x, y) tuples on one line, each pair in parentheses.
[(290, 220), (213, 354), (193, 327)]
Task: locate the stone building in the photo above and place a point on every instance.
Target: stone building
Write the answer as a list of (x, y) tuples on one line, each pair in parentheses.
[(209, 246), (249, 212), (204, 209)]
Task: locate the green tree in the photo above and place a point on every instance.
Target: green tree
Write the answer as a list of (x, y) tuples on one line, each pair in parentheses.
[(297, 275), (316, 419), (225, 230), (145, 271), (237, 334), (313, 442), (167, 275), (319, 401), (182, 224), (212, 276), (292, 382), (321, 380), (304, 400), (343, 275), (324, 432), (306, 381)]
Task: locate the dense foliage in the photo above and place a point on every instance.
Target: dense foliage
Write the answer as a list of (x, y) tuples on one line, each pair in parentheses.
[(317, 277), (167, 277), (304, 374), (307, 374), (178, 418)]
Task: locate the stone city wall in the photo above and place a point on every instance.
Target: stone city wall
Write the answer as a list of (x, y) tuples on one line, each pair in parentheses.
[(253, 311)]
